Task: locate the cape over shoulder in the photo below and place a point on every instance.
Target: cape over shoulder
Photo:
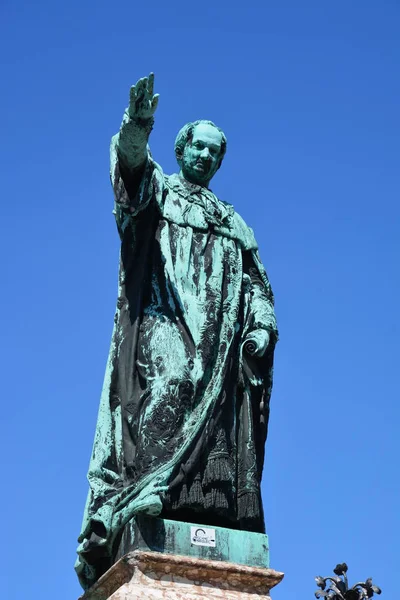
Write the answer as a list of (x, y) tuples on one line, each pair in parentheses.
[(195, 206), (179, 202)]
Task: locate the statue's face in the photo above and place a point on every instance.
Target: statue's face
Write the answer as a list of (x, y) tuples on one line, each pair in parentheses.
[(201, 156)]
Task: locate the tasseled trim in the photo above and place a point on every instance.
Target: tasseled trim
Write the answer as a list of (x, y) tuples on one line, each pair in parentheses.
[(248, 505), (189, 495), (183, 499), (196, 498), (177, 497), (217, 499), (217, 469)]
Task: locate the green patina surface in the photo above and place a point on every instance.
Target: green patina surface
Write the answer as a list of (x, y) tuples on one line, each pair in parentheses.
[(174, 537), (185, 403)]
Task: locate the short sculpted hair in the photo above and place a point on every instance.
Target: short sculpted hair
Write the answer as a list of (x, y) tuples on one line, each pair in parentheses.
[(186, 134)]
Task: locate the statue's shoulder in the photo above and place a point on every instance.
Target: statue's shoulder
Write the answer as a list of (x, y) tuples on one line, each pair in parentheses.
[(185, 206), (174, 182), (239, 228)]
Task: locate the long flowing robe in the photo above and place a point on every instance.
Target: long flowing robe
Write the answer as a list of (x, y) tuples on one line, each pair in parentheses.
[(184, 408)]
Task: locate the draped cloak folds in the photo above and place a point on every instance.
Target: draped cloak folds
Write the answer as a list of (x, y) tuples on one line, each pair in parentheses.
[(184, 409)]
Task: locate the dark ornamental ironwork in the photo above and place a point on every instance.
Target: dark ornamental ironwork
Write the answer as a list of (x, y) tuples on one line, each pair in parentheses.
[(337, 587)]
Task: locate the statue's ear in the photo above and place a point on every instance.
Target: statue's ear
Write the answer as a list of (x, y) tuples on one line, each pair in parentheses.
[(179, 156)]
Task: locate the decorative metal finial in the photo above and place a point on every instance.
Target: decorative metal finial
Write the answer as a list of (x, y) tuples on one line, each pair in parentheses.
[(339, 588)]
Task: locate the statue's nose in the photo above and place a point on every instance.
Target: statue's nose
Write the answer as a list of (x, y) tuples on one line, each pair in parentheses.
[(205, 153)]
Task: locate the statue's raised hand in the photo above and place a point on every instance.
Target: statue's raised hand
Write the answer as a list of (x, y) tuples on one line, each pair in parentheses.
[(142, 102)]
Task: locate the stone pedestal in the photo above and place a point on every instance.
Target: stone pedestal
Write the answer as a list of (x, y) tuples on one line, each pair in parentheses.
[(141, 575)]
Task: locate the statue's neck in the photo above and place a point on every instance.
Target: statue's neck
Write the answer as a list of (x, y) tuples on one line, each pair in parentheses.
[(182, 176)]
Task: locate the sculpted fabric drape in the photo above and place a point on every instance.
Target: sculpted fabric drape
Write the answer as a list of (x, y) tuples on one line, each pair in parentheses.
[(184, 409)]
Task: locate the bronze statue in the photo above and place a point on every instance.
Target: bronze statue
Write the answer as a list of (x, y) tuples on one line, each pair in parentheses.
[(185, 403)]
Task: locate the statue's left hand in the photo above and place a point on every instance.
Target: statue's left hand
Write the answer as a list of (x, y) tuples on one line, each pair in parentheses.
[(256, 342)]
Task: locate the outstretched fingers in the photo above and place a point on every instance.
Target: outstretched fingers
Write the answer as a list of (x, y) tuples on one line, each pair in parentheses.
[(154, 102), (142, 102), (132, 95), (141, 87), (150, 84)]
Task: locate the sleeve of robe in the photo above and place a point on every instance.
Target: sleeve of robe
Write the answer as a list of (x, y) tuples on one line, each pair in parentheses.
[(134, 189), (258, 371), (261, 300), (134, 193)]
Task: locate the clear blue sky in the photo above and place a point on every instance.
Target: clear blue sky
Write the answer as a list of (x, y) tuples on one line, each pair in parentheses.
[(308, 94)]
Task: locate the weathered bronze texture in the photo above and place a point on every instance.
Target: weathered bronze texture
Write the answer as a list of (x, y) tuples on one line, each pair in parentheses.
[(185, 403)]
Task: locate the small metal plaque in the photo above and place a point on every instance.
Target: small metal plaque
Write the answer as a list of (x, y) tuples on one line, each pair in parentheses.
[(202, 536)]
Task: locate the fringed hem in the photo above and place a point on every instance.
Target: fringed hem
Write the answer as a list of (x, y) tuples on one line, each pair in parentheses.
[(217, 499), (196, 496), (217, 469), (188, 496), (248, 506)]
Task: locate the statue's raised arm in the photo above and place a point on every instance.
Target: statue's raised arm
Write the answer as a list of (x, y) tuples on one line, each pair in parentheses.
[(184, 410), (137, 123)]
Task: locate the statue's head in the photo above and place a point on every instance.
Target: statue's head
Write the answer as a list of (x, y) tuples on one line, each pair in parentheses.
[(200, 148)]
